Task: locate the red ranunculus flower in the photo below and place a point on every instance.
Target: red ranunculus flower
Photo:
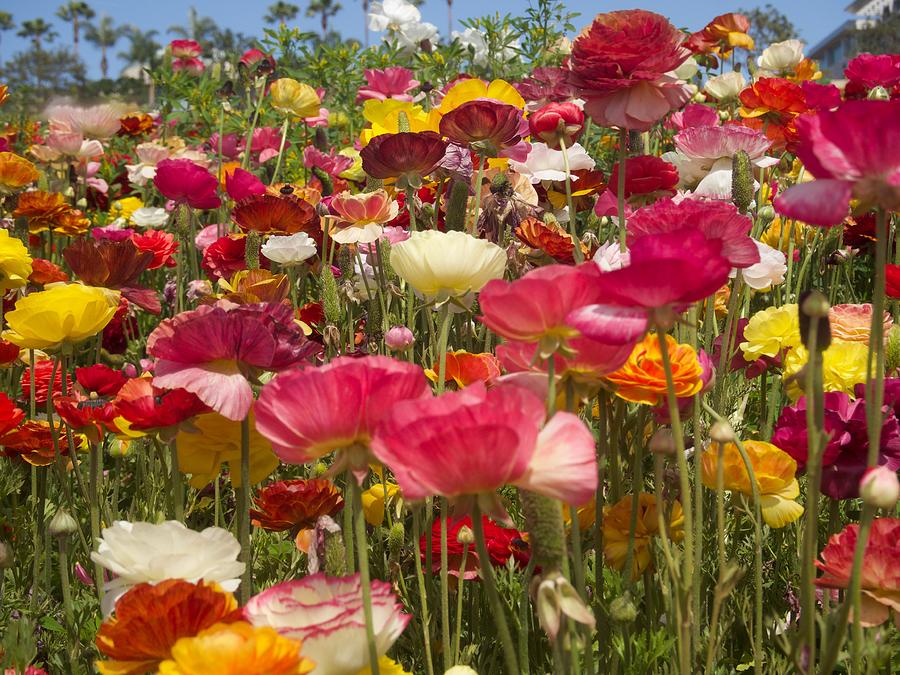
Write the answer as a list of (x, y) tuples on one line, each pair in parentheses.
[(557, 121), (10, 415), (405, 156), (281, 214), (646, 178), (148, 408), (161, 244), (892, 280), (42, 372), (772, 105), (226, 255), (503, 543), (295, 504), (868, 71), (46, 272), (184, 182), (488, 126)]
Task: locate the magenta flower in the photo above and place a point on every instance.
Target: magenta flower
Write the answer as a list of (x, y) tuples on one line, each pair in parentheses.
[(693, 115), (466, 444), (309, 413), (854, 152), (241, 184), (382, 83), (213, 350), (184, 182), (185, 49), (845, 458), (584, 360), (867, 71), (333, 164), (716, 221)]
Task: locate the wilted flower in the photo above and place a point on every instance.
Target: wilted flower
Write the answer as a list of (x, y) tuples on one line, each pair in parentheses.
[(617, 527), (327, 615), (142, 552)]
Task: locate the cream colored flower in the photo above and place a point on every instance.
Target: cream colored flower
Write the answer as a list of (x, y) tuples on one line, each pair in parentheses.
[(443, 265), (781, 56), (725, 86)]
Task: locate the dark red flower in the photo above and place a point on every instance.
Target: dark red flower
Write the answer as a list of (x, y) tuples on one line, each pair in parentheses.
[(556, 121), (646, 177), (503, 543), (184, 182), (120, 329), (295, 504), (281, 214), (9, 352), (135, 124), (32, 441), (226, 255), (10, 415), (489, 127), (161, 244), (113, 264), (405, 156)]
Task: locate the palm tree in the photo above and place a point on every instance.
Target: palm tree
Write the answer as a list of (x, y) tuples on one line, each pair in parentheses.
[(281, 12), (143, 50), (200, 28), (6, 22), (325, 9), (449, 18), (105, 35), (73, 12), (37, 30)]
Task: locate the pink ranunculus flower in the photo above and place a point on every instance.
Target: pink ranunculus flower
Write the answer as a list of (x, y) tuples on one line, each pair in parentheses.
[(211, 351), (190, 66), (265, 144), (382, 83), (185, 49), (714, 220), (584, 361), (98, 122), (465, 445), (240, 184), (184, 182), (352, 396), (326, 614), (693, 115), (332, 164), (360, 218), (65, 142), (854, 153)]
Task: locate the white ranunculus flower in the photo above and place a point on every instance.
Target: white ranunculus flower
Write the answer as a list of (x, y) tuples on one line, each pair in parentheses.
[(149, 216), (687, 70), (141, 552), (769, 271), (443, 265), (544, 163), (410, 36), (725, 86), (781, 56), (610, 257), (393, 15), (289, 250)]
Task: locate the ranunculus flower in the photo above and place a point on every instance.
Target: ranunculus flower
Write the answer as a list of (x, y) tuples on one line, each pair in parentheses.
[(781, 57), (880, 579), (844, 460), (407, 156), (241, 184), (326, 613), (853, 323), (768, 272), (295, 504), (394, 82), (140, 552), (725, 86), (557, 121), (66, 314), (617, 529), (641, 379), (360, 218), (620, 65), (99, 121), (184, 182), (211, 351), (141, 407), (15, 263), (854, 153), (464, 368), (843, 367), (693, 115), (867, 71), (721, 35), (353, 395), (115, 265), (549, 238), (161, 244), (717, 221), (294, 98), (442, 265), (467, 444), (15, 173), (646, 177), (227, 255), (543, 163), (502, 543), (771, 332), (185, 49), (277, 214), (290, 250), (773, 470), (771, 105)]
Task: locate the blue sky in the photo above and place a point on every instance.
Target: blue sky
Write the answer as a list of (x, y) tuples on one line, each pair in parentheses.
[(814, 18)]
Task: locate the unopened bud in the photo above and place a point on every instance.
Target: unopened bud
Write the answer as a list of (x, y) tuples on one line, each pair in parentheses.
[(319, 469), (461, 670), (62, 524), (251, 250), (622, 609), (879, 93), (879, 488), (721, 432), (892, 350), (766, 212), (465, 535), (662, 442), (399, 339), (402, 123), (395, 538), (741, 181), (816, 305), (331, 303)]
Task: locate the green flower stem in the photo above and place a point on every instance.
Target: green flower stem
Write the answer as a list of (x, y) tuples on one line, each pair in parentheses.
[(411, 207), (175, 484), (244, 509), (573, 229), (636, 488), (284, 133), (478, 180), (623, 158), (445, 593), (68, 607), (359, 527), (490, 586), (444, 334), (459, 604), (423, 595), (248, 142)]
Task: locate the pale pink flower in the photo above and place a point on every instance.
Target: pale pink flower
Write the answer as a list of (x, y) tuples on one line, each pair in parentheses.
[(360, 218)]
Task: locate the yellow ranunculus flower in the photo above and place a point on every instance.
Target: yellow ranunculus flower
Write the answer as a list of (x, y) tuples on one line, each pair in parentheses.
[(442, 265), (216, 440), (355, 172), (843, 367), (15, 263), (384, 116), (123, 208), (64, 314), (236, 648), (386, 666), (374, 500), (471, 89), (294, 98), (773, 469), (770, 331), (778, 235)]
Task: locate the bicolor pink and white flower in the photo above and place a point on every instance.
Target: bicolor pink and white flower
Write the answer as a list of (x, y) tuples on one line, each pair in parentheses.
[(360, 218)]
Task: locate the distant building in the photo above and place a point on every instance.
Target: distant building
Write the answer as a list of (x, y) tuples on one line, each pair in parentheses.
[(838, 47)]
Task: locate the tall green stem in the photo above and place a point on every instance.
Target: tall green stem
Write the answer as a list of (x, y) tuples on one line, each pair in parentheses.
[(244, 508), (362, 547), (623, 158), (423, 595), (573, 221), (284, 133)]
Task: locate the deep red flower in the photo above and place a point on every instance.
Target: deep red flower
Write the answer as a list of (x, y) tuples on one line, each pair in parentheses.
[(149, 408), (620, 65), (227, 255), (281, 214), (100, 380), (42, 372), (184, 182), (295, 504), (488, 126), (10, 415), (32, 441), (556, 121), (135, 124), (503, 543), (406, 156), (161, 244), (46, 272), (9, 352), (88, 408), (113, 264), (120, 329), (646, 177), (892, 281)]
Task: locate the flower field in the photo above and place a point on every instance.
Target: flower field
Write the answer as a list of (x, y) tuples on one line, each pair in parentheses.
[(515, 354)]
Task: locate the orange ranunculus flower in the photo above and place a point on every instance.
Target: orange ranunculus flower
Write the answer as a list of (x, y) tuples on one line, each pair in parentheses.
[(295, 504), (15, 173), (45, 272), (236, 649), (852, 323), (807, 70), (150, 619), (72, 223), (465, 368), (135, 124), (549, 238), (33, 442), (617, 526), (281, 214), (251, 286), (721, 35), (642, 379), (773, 469), (43, 210), (772, 104)]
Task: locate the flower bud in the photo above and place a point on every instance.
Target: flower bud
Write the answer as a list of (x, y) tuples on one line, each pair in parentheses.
[(741, 181), (721, 432), (461, 670), (399, 339), (456, 206), (62, 524), (622, 609), (662, 442), (465, 535), (880, 488), (395, 538), (557, 122), (331, 303), (879, 93)]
